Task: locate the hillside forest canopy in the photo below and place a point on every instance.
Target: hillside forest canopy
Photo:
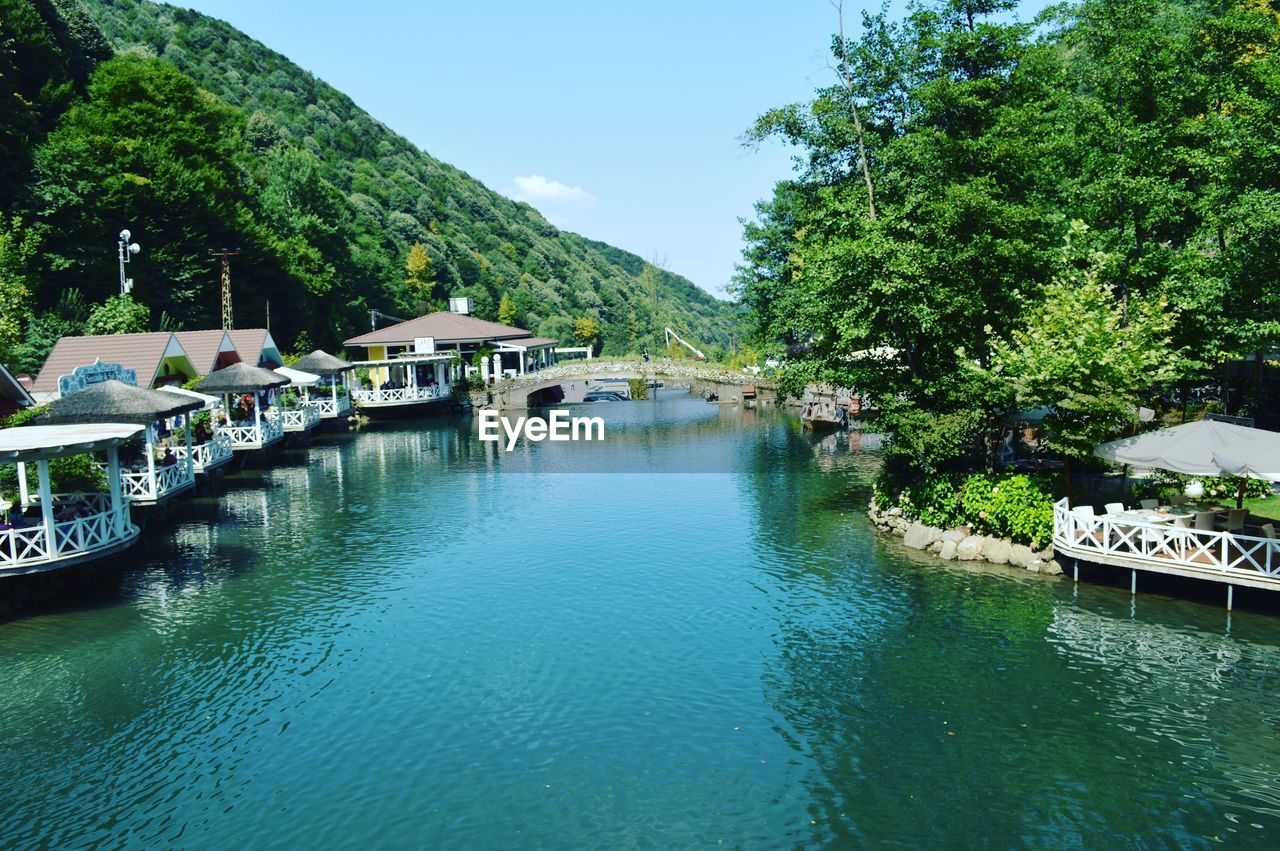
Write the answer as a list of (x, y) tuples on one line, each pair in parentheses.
[(131, 114), (1079, 212)]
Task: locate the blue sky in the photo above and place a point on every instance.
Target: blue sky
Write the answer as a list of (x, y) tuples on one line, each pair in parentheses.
[(620, 121)]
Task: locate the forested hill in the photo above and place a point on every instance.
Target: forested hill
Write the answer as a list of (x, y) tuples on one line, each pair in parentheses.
[(196, 136)]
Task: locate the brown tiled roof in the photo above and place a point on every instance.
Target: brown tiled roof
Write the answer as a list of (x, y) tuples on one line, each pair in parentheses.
[(142, 352), (202, 347), (249, 343), (446, 327), (532, 342)]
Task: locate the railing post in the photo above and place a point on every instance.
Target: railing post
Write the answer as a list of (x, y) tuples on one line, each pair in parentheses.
[(153, 485), (113, 486), (46, 508)]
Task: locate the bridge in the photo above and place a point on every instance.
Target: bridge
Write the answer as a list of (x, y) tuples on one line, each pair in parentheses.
[(527, 391)]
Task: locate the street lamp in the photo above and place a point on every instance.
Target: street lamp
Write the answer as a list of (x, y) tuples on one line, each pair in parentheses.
[(127, 249)]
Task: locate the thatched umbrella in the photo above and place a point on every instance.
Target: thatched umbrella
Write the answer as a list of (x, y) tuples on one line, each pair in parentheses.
[(323, 363), (240, 378), (114, 402)]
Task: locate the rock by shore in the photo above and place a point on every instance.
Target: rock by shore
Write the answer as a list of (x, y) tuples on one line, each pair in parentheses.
[(960, 544)]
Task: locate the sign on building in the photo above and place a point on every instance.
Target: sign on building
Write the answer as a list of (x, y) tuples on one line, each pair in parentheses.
[(84, 377), (424, 345)]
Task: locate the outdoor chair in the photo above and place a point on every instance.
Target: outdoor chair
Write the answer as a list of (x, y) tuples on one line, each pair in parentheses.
[(1179, 499), (1205, 521), (1268, 530), (1235, 520), (1084, 514), (1115, 508), (1150, 504)]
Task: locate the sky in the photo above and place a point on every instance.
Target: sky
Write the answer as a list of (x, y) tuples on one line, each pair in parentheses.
[(619, 121)]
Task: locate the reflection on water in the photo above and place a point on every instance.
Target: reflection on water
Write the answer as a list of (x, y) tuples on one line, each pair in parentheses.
[(390, 635)]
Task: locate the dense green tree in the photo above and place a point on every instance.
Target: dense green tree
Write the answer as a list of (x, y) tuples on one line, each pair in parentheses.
[(1086, 354), (18, 248), (119, 314), (984, 138), (508, 313)]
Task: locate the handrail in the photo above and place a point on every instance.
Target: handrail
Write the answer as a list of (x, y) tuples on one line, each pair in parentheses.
[(296, 419), (139, 485), (252, 436), (1164, 545), (29, 545), (205, 456), (403, 394), (328, 408)]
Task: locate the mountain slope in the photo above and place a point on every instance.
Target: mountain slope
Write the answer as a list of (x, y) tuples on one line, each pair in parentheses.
[(477, 241)]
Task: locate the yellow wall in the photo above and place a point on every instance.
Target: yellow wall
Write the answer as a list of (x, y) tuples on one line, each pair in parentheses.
[(378, 375)]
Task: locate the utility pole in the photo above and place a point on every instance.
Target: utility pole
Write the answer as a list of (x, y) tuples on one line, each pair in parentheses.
[(225, 255)]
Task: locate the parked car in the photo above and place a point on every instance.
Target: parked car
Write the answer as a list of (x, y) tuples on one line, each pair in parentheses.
[(603, 396)]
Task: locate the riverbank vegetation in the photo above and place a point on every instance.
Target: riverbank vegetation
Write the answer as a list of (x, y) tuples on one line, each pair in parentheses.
[(197, 137), (1079, 213)]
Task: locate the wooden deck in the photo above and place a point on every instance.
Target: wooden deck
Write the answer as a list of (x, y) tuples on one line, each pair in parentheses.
[(1223, 557)]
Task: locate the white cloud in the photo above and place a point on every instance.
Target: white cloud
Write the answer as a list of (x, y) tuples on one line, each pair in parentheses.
[(536, 189)]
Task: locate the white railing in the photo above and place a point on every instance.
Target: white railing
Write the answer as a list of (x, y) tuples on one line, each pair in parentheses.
[(206, 456), (253, 437), (329, 408), (138, 485), (1163, 544), (402, 394), (28, 546), (296, 419)]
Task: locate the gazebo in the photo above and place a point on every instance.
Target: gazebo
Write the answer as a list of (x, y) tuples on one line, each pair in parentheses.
[(334, 372), (209, 450), (146, 483), (298, 418), (242, 379), (52, 530)]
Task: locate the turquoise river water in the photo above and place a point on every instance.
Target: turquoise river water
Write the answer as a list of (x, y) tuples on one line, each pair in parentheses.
[(405, 638)]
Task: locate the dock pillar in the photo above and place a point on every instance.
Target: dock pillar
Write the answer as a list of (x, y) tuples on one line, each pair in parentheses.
[(1230, 596), (1133, 582), (1075, 570)]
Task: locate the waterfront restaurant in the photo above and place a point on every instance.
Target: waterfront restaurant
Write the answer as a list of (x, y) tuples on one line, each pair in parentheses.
[(1192, 536), (158, 473), (242, 419), (515, 350), (334, 374), (48, 530), (148, 360)]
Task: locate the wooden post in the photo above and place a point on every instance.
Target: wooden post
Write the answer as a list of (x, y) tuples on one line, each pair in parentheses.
[(191, 464), (151, 465), (24, 492), (1133, 582), (46, 507), (113, 486), (1230, 596)]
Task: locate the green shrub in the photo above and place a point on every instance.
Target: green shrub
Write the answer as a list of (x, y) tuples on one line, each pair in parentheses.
[(1015, 506)]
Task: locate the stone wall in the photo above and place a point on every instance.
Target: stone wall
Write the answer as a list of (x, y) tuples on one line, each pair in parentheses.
[(960, 544)]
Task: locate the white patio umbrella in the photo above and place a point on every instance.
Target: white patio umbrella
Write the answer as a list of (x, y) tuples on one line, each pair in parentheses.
[(297, 377), (209, 402), (1257, 459), (1190, 448)]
